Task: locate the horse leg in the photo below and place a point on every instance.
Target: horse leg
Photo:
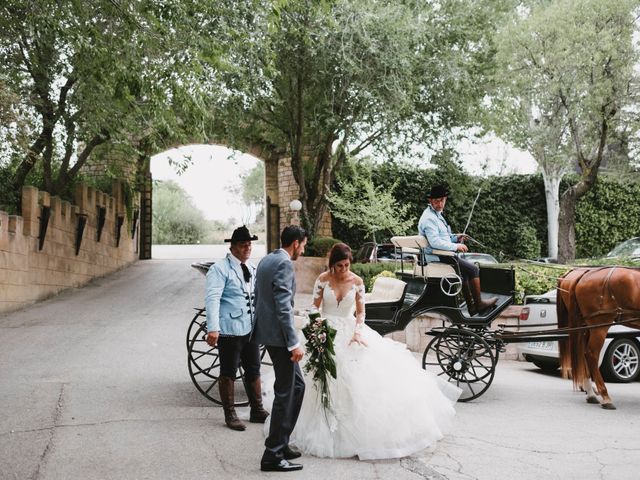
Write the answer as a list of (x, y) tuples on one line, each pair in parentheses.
[(587, 387), (587, 384), (594, 345)]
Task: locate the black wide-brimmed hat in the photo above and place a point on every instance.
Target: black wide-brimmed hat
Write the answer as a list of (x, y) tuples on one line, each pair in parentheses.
[(241, 234), (438, 191)]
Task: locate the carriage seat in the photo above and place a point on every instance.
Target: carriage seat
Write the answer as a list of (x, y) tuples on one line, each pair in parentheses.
[(433, 268), (386, 290)]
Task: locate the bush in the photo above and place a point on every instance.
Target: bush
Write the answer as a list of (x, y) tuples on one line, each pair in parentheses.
[(384, 273), (320, 246), (367, 271), (527, 245)]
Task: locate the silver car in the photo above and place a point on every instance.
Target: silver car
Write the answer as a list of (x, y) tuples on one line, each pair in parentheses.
[(619, 358)]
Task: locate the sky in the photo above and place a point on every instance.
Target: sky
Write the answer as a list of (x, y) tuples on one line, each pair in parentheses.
[(208, 178)]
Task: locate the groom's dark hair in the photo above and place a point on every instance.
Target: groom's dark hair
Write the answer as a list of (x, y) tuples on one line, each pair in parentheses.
[(291, 233)]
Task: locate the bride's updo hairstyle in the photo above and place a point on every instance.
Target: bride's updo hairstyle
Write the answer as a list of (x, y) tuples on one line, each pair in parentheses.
[(339, 252)]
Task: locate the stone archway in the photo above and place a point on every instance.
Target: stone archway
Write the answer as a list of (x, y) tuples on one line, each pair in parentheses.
[(280, 189)]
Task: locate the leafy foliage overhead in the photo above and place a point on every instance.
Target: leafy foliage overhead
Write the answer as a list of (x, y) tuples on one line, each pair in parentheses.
[(321, 81), (97, 79)]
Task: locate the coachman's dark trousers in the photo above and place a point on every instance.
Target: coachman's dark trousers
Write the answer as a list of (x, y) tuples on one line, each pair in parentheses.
[(237, 351)]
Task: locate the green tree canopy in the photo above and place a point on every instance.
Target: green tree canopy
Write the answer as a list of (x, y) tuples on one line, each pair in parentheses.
[(97, 79), (567, 84), (372, 209), (176, 220), (321, 81)]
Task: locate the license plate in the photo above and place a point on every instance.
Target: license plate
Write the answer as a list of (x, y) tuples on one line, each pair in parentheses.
[(541, 345)]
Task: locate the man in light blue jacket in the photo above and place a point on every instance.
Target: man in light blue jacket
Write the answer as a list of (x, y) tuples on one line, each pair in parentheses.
[(229, 302), (437, 231)]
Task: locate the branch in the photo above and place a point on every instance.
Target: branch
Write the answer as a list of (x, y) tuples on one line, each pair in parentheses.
[(97, 139), (573, 128), (62, 98), (367, 141)]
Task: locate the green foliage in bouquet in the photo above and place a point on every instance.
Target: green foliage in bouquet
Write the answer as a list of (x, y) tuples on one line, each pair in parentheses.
[(320, 362)]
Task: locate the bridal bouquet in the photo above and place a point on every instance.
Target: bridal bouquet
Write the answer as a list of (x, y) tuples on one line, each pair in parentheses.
[(319, 346)]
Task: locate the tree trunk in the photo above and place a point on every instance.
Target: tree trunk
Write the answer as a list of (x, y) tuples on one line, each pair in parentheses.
[(552, 196), (567, 226)]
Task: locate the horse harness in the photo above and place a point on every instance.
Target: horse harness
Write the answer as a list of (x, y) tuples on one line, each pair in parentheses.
[(606, 288)]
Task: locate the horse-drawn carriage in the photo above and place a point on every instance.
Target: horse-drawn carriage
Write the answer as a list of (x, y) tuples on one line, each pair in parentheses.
[(464, 349), (420, 288)]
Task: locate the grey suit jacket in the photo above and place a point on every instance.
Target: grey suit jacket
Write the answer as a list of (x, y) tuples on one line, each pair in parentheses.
[(274, 291)]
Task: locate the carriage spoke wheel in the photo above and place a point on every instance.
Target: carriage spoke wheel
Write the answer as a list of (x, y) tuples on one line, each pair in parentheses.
[(463, 358), (204, 365)]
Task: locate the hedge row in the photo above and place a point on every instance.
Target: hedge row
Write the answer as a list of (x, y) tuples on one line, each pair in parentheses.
[(509, 218)]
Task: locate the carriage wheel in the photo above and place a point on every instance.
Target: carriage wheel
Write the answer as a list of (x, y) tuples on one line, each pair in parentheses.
[(465, 358), (195, 323), (204, 365)]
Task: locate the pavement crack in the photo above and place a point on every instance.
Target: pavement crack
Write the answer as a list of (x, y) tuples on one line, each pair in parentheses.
[(57, 413), (94, 424), (414, 465)]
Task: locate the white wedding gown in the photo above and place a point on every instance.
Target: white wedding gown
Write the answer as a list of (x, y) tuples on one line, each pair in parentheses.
[(383, 404)]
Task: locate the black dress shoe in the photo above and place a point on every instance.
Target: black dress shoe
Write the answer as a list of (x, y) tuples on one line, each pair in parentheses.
[(289, 453), (280, 466)]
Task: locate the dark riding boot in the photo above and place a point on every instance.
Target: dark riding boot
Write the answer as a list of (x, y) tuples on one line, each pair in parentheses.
[(480, 304), (254, 393), (227, 385), (471, 306)]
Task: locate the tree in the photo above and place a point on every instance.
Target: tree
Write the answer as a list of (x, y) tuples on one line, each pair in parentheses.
[(372, 209), (253, 189), (97, 79), (566, 85), (176, 220), (322, 81)]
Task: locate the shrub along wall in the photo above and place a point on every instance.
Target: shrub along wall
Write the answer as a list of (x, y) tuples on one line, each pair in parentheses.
[(509, 208)]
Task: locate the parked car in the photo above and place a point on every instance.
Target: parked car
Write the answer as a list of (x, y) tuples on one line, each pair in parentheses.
[(619, 358), (478, 258), (383, 252), (627, 249), (546, 260)]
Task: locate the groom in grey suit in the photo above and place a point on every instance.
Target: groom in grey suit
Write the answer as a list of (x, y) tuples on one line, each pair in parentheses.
[(274, 328)]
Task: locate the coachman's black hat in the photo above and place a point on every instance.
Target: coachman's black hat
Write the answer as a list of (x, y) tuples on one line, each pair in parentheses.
[(241, 234), (438, 191)]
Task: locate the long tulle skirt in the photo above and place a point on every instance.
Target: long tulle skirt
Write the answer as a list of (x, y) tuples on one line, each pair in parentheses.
[(383, 404)]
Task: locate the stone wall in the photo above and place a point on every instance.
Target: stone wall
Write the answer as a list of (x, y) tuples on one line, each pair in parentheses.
[(288, 190), (416, 338), (30, 271)]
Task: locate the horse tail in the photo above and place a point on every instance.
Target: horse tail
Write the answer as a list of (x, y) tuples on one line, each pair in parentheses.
[(572, 350)]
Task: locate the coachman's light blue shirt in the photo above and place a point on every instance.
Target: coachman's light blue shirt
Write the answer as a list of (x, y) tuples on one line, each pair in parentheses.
[(438, 232), (229, 299)]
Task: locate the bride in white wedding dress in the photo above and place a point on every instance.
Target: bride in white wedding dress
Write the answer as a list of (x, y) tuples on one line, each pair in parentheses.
[(383, 404)]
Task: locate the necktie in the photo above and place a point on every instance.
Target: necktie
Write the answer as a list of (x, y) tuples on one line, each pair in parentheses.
[(246, 272)]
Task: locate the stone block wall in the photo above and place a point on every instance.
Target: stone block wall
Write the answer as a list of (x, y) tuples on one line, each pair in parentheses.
[(29, 273), (288, 190)]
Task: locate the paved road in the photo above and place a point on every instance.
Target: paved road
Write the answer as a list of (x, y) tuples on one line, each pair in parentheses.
[(93, 385)]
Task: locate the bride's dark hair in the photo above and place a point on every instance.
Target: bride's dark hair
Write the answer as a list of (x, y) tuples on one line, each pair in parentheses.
[(339, 252)]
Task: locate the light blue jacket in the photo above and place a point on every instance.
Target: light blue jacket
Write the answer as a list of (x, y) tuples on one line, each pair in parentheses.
[(275, 289), (438, 232), (229, 305)]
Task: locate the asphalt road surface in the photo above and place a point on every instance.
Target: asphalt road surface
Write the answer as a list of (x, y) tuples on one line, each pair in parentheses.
[(94, 385)]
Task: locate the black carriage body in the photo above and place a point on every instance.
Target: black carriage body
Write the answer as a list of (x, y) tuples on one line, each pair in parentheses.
[(425, 295)]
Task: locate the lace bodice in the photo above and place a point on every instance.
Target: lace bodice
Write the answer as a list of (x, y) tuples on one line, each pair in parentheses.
[(331, 305)]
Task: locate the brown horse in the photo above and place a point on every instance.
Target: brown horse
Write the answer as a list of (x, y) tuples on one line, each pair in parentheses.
[(588, 297)]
